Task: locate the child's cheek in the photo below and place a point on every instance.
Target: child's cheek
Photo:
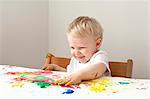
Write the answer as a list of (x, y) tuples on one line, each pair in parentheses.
[(72, 53)]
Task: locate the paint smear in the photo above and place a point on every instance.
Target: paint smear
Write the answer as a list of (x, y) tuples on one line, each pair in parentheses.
[(68, 91)]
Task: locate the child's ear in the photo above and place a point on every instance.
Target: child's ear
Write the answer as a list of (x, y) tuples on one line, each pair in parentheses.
[(98, 42)]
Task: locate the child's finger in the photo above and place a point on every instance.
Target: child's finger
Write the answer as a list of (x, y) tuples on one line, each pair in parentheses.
[(44, 67), (59, 82), (62, 81), (49, 67), (68, 83)]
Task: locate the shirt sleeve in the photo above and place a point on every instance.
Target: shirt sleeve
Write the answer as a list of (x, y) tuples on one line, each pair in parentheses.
[(102, 57), (70, 67)]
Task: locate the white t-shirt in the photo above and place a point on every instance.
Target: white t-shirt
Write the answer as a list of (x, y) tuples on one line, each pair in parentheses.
[(100, 56)]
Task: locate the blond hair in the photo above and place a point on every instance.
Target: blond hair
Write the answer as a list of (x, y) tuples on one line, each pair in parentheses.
[(85, 26)]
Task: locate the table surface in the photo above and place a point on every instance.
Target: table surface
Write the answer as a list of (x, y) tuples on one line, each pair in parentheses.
[(19, 81)]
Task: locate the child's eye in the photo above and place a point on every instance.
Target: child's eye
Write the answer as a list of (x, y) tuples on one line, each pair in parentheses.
[(72, 47), (82, 48)]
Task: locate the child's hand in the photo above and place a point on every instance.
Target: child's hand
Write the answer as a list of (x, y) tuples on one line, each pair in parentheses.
[(69, 80), (48, 67)]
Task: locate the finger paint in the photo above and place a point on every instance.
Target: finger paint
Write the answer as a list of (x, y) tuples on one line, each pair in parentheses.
[(68, 91)]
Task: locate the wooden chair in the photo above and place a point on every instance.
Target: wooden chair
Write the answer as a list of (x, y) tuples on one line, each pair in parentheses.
[(61, 61), (121, 69), (118, 69)]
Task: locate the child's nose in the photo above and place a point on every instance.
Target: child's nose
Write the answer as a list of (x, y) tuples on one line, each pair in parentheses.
[(77, 52)]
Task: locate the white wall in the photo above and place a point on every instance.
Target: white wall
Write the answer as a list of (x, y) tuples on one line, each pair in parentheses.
[(24, 27), (0, 32), (24, 32), (125, 25), (149, 38)]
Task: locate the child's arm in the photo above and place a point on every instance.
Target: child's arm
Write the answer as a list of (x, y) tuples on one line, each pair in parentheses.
[(54, 67), (91, 72), (48, 66)]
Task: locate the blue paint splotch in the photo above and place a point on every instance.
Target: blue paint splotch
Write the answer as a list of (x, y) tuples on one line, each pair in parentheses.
[(123, 83), (68, 91)]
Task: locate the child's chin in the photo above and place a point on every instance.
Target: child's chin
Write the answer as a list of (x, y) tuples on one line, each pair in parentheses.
[(82, 61)]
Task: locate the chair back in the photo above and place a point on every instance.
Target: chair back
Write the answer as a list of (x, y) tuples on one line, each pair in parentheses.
[(121, 69)]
